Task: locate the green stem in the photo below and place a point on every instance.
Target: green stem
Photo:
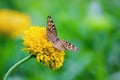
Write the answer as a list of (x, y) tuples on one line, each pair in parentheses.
[(16, 65)]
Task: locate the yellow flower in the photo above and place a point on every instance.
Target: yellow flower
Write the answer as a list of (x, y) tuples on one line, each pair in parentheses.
[(36, 43), (13, 23)]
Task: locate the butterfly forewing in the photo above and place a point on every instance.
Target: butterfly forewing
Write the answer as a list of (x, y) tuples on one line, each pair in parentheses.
[(64, 45), (51, 30), (69, 46), (51, 26), (52, 36)]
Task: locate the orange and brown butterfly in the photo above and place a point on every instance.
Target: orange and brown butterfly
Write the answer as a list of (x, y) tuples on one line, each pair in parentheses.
[(51, 33)]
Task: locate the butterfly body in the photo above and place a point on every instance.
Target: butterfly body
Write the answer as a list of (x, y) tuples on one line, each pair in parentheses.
[(51, 33)]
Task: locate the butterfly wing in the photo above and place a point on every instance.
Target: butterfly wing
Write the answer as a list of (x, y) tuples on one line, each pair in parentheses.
[(51, 30), (64, 45), (52, 36)]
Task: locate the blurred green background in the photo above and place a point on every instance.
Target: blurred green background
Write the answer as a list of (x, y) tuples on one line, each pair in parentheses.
[(92, 25)]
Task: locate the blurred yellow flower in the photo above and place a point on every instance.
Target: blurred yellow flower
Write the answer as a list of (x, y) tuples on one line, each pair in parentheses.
[(13, 23), (36, 43)]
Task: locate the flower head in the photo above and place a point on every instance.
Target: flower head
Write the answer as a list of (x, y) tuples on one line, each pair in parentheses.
[(12, 23), (35, 41)]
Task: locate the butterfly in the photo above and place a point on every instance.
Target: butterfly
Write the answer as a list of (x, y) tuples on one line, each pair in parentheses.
[(51, 33)]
